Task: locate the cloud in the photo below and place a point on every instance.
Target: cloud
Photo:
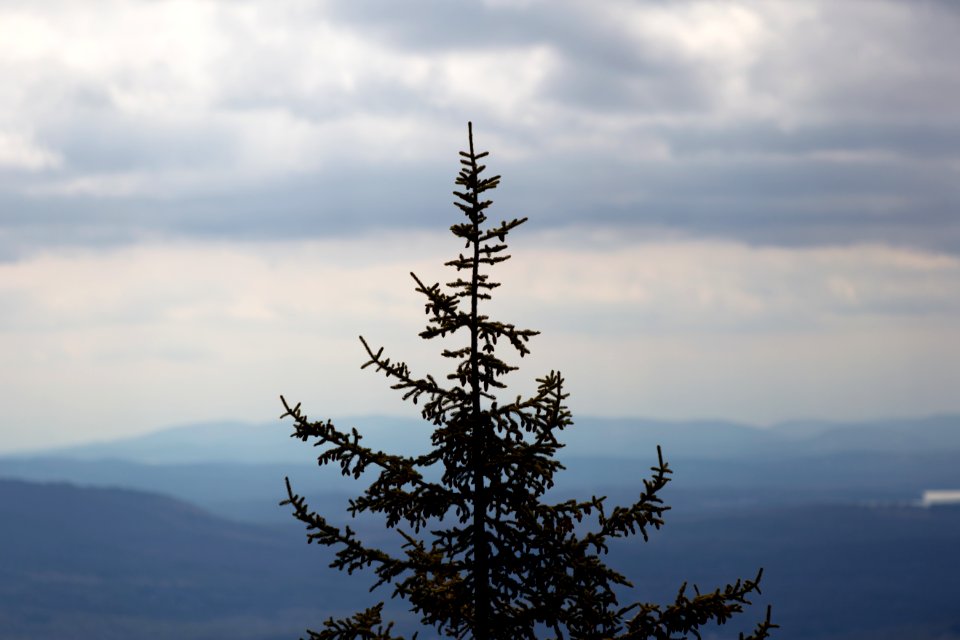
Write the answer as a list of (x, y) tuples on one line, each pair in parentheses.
[(882, 63), (776, 124), (20, 152), (737, 209), (143, 335)]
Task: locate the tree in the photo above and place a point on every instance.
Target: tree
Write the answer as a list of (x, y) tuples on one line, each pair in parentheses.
[(484, 556)]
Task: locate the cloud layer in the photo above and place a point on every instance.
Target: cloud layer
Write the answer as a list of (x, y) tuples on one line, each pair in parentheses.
[(156, 334), (775, 123), (738, 209)]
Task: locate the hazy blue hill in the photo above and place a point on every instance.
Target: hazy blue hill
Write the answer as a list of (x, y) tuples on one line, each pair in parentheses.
[(108, 563), (236, 442), (935, 433), (851, 478), (637, 437), (113, 563), (236, 491), (633, 437), (831, 571), (186, 444), (117, 563), (251, 492), (825, 468), (805, 429)]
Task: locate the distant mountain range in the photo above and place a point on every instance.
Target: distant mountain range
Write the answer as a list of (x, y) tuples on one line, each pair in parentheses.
[(236, 442), (102, 564), (178, 534), (236, 470), (106, 564), (233, 442)]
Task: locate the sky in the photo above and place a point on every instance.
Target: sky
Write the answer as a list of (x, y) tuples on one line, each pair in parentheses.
[(737, 210)]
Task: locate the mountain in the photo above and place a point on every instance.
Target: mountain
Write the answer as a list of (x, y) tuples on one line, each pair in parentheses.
[(826, 508), (250, 492), (714, 439), (106, 564), (115, 563), (228, 441), (237, 442), (237, 470), (836, 572), (915, 435), (241, 492)]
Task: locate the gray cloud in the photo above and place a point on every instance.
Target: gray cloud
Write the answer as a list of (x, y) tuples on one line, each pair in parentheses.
[(781, 123), (436, 26)]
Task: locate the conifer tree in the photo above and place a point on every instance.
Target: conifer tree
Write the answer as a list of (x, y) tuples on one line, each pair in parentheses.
[(484, 556)]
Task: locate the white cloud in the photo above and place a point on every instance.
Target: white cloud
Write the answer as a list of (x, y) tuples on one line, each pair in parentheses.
[(654, 103), (825, 129), (722, 34), (20, 152), (134, 338), (26, 37), (715, 286)]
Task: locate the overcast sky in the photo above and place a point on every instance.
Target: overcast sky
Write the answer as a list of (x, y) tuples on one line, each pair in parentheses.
[(741, 210)]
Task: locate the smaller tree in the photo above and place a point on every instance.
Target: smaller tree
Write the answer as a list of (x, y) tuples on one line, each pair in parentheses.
[(484, 555)]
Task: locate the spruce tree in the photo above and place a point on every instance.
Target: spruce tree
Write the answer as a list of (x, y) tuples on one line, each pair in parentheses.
[(483, 554)]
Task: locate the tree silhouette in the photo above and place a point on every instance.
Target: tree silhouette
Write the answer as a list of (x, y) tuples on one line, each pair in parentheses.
[(483, 554)]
